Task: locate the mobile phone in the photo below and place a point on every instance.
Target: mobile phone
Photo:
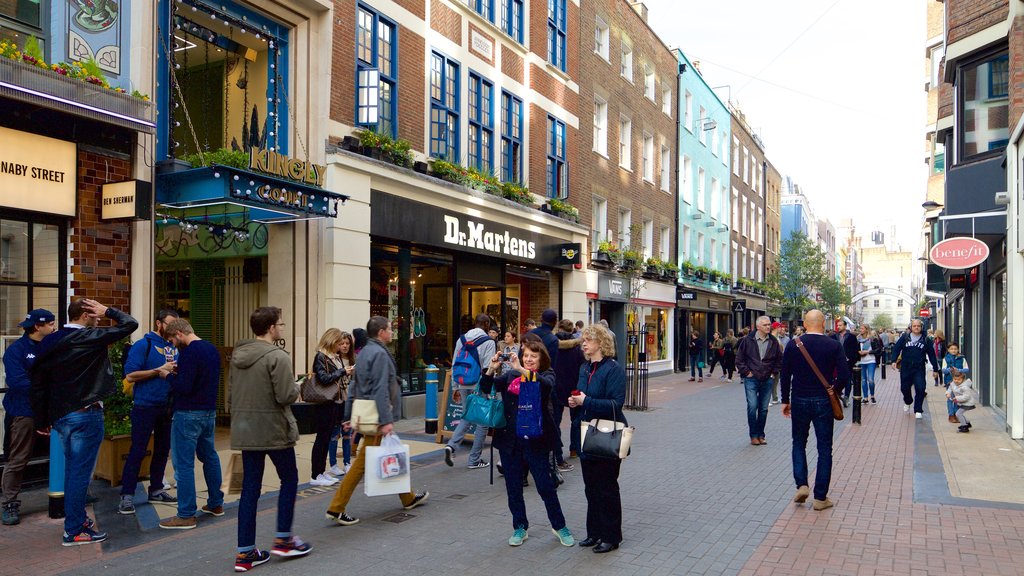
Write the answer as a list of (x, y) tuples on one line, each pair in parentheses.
[(504, 357), (301, 378)]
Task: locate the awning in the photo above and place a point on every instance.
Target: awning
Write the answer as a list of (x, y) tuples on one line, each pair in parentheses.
[(223, 192)]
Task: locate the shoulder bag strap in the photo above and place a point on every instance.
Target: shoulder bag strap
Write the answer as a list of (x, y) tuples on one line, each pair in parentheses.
[(810, 361)]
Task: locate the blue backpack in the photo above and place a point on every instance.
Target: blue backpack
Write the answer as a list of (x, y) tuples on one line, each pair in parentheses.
[(528, 415), (466, 367)]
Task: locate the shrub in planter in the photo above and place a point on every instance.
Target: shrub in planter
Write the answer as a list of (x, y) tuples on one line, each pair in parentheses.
[(631, 259), (516, 193), (564, 210), (223, 156), (688, 268)]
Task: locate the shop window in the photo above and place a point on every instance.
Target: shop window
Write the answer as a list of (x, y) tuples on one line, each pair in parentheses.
[(511, 138), (982, 89), (32, 272), (481, 123), (512, 19), (556, 33), (21, 20), (558, 172), (528, 292), (444, 108), (376, 74), (655, 328)]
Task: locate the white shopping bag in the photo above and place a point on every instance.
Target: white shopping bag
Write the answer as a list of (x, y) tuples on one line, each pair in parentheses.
[(387, 468)]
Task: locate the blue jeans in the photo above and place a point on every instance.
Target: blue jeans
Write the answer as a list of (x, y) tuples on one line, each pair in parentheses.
[(913, 378), (695, 370), (346, 447), (804, 412), (191, 438), (516, 460), (759, 392), (574, 432), (253, 462), (867, 380), (479, 432), (147, 421), (80, 434)]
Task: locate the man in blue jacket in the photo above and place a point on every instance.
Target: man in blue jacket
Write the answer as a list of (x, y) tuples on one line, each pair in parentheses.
[(18, 360), (546, 332), (851, 349), (151, 412), (914, 347)]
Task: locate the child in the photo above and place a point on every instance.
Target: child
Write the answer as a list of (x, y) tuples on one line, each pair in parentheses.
[(953, 361), (961, 392)]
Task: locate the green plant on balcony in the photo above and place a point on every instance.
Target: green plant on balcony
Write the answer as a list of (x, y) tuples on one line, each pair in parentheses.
[(448, 171), (564, 210), (688, 268), (384, 147), (725, 278), (631, 259), (222, 156), (517, 193), (701, 272), (87, 70)]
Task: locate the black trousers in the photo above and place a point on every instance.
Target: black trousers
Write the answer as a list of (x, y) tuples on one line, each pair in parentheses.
[(326, 416), (604, 506)]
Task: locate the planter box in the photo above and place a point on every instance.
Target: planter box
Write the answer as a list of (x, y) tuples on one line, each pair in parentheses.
[(113, 454), (602, 260)]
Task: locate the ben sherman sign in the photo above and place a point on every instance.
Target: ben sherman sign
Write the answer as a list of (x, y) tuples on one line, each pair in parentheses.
[(475, 236), (959, 253)]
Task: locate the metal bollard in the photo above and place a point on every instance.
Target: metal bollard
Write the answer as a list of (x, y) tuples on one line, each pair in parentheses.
[(855, 413), (430, 408), (55, 490)]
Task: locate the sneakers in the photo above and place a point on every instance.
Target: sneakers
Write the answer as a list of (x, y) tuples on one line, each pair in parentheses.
[(336, 471), (918, 415), (323, 480), (11, 514), (212, 511), (518, 537), (448, 453), (906, 408), (127, 505), (169, 485), (564, 537), (479, 465), (421, 497), (820, 505), (801, 494), (290, 547), (245, 561), (500, 469), (161, 497), (341, 518), (873, 401), (565, 467), (845, 400), (964, 429), (178, 523), (86, 536)]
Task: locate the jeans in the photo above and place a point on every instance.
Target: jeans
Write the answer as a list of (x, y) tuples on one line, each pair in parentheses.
[(604, 504), (147, 421), (961, 416), (950, 405), (253, 463), (479, 432), (574, 432), (714, 359), (775, 388), (913, 378), (517, 460), (80, 433), (348, 485), (758, 394), (191, 438), (325, 417), (867, 380), (848, 386), (22, 437), (695, 370), (346, 447), (804, 412)]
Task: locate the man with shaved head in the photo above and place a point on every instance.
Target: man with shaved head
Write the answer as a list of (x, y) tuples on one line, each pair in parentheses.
[(805, 400)]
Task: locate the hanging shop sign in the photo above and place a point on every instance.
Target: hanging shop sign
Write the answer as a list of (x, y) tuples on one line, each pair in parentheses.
[(959, 253), (402, 219), (37, 173), (683, 294), (611, 287), (739, 305), (274, 164), (130, 199)]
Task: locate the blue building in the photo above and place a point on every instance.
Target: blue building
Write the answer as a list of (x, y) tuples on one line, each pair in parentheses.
[(796, 212), (704, 207)]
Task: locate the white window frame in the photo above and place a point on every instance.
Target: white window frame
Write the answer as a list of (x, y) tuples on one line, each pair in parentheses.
[(625, 142), (736, 214), (714, 254), (626, 59), (700, 247), (701, 133), (649, 83), (686, 186), (686, 244), (664, 236), (688, 111), (736, 156), (648, 157), (745, 166), (666, 99), (760, 268), (601, 38), (601, 126), (701, 188), (599, 220), (745, 275), (744, 219), (648, 239), (735, 261), (666, 165), (714, 143), (625, 221)]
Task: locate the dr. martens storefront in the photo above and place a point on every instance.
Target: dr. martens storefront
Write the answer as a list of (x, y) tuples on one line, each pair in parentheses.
[(435, 269)]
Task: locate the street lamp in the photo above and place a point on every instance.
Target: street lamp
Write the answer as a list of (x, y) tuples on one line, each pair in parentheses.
[(931, 205)]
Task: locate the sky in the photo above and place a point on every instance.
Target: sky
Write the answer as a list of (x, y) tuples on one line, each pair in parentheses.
[(835, 89)]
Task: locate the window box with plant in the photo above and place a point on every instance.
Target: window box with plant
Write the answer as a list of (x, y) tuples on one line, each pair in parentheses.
[(473, 178), (670, 272), (688, 269), (383, 147), (630, 260), (562, 209), (606, 257), (714, 275), (653, 268), (701, 272), (724, 279)]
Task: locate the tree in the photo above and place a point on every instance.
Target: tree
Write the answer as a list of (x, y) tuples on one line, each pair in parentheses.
[(835, 296), (882, 321), (801, 270)]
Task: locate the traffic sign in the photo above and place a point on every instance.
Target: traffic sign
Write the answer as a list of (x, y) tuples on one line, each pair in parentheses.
[(739, 305), (924, 312)]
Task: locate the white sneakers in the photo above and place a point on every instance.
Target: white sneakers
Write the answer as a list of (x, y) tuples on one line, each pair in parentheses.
[(338, 470), (918, 415), (323, 480), (906, 408)]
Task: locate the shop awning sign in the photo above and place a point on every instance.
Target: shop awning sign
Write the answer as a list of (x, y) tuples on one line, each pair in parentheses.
[(739, 305), (959, 253), (37, 173)]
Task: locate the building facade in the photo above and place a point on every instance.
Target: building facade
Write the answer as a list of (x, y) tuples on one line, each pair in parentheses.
[(773, 218), (826, 234), (704, 207), (748, 225), (888, 286)]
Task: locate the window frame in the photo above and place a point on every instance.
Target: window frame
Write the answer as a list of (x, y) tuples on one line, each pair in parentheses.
[(647, 155), (481, 154), (556, 33), (362, 66), (512, 19), (625, 234), (626, 59), (602, 38), (666, 166), (557, 169), (511, 137), (626, 127), (599, 217), (482, 6), (995, 147), (664, 243), (600, 126), (442, 105), (688, 112), (650, 83), (666, 98)]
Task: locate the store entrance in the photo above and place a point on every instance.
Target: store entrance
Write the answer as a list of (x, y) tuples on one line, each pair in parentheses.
[(479, 299)]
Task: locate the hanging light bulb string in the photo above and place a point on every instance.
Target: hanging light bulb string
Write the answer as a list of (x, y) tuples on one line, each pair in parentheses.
[(181, 99)]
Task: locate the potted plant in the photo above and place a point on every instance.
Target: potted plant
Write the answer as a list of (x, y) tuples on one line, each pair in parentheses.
[(607, 254), (564, 210), (370, 142), (713, 274), (701, 272), (688, 268), (725, 279), (630, 259), (653, 268), (670, 272)]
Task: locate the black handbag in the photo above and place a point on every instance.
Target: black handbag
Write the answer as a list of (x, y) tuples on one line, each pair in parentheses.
[(609, 439)]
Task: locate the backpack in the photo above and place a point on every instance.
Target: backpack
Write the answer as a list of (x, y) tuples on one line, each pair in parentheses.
[(466, 367)]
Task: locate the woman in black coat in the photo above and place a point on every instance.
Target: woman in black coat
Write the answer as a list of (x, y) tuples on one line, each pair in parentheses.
[(518, 453), (601, 392)]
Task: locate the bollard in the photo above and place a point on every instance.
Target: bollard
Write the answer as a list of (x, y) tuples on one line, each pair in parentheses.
[(55, 490), (430, 409), (855, 413)]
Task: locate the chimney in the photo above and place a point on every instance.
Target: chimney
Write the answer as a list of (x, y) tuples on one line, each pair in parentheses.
[(641, 9), (696, 65)]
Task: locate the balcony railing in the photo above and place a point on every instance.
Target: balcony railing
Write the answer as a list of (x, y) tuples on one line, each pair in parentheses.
[(46, 88)]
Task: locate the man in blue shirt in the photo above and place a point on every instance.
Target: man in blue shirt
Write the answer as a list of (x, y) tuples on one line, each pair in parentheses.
[(18, 361), (151, 412), (194, 385)]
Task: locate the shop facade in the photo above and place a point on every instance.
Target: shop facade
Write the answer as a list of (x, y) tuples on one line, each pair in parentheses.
[(642, 323), (703, 311)]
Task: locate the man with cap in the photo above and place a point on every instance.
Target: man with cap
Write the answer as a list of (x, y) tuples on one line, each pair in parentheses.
[(779, 331), (546, 332), (18, 360)]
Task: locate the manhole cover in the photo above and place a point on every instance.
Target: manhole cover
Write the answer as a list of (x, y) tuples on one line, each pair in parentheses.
[(399, 518), (456, 496)]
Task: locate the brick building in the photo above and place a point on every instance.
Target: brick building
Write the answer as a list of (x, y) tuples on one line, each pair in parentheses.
[(749, 249), (773, 218)]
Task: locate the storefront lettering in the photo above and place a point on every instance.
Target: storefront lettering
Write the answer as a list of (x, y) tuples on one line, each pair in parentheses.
[(269, 162), (37, 172), (268, 193), (615, 287), (477, 237)]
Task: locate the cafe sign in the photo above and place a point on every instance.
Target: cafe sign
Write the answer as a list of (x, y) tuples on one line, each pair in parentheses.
[(959, 253), (274, 164), (37, 173)]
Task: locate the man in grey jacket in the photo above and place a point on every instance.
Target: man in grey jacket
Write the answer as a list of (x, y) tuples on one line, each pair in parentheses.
[(375, 375)]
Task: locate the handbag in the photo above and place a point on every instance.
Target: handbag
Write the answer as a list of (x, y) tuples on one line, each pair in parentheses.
[(315, 393), (837, 409), (365, 418), (485, 410), (605, 438)]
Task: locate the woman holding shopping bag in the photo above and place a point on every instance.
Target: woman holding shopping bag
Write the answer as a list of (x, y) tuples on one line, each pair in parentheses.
[(529, 435)]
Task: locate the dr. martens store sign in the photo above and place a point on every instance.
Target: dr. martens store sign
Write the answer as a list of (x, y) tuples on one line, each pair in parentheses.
[(37, 173), (419, 223)]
